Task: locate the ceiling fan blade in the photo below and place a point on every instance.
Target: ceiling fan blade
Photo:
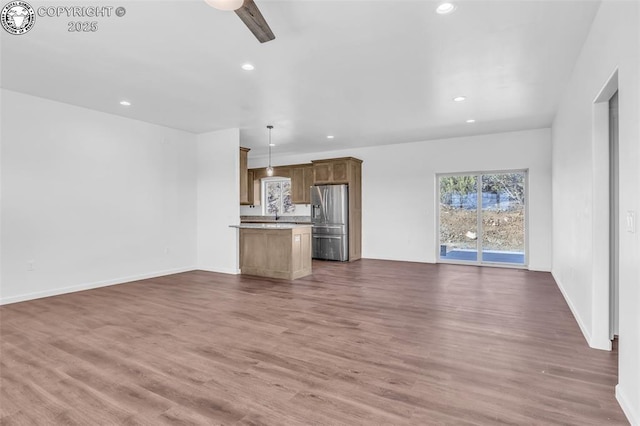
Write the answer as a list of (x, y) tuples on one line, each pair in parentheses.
[(253, 19)]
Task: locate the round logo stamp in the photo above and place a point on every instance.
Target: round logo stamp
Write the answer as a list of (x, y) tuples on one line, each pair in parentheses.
[(17, 17)]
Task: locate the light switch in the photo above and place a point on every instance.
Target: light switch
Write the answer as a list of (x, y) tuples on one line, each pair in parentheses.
[(631, 221)]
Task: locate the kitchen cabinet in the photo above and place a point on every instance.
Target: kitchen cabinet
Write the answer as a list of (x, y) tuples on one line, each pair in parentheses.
[(250, 189), (255, 184), (333, 170), (336, 170), (275, 250), (246, 186), (301, 181), (345, 170), (301, 176), (282, 171)]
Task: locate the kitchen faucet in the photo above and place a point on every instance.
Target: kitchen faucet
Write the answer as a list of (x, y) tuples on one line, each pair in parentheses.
[(276, 210)]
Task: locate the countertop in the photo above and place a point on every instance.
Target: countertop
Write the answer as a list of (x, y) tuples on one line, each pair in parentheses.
[(271, 225), (281, 219)]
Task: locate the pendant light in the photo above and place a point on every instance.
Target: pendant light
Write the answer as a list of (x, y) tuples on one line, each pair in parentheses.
[(270, 169)]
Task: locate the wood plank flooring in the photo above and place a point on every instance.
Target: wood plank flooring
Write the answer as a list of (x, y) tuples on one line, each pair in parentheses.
[(363, 343)]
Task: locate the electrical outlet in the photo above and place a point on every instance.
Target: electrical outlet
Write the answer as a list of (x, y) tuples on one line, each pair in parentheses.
[(631, 221), (31, 265)]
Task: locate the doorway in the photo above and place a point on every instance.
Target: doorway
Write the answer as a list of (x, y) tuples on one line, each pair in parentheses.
[(482, 218), (614, 216)]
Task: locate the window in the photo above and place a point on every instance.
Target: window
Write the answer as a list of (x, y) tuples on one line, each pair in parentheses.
[(276, 196), (481, 218)]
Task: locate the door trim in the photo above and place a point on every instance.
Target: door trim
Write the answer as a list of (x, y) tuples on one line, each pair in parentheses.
[(600, 286)]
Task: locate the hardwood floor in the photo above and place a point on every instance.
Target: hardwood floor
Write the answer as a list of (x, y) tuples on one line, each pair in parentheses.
[(369, 342)]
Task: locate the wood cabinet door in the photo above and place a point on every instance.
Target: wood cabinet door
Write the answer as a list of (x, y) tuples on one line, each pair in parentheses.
[(256, 184), (322, 172), (340, 171), (307, 183), (282, 171), (244, 178), (301, 181), (250, 191), (297, 183)]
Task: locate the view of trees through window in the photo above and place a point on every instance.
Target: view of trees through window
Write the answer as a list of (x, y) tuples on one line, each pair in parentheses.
[(277, 196), (496, 201)]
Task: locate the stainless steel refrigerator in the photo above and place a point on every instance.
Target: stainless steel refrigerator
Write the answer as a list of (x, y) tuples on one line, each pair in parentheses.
[(330, 219)]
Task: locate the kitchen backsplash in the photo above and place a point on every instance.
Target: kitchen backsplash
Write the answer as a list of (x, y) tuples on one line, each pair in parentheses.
[(301, 210)]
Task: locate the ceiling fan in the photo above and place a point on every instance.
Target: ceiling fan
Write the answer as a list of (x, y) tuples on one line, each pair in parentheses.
[(249, 13)]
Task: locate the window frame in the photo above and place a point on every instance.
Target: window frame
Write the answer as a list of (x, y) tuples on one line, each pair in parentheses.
[(264, 182), (479, 262)]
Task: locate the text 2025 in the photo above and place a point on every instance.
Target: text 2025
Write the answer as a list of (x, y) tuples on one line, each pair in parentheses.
[(82, 27)]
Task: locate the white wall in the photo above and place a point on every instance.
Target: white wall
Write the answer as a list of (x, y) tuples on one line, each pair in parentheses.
[(91, 199), (579, 205), (399, 189), (218, 200)]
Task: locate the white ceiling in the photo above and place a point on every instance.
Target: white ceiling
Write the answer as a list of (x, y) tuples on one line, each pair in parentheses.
[(368, 72)]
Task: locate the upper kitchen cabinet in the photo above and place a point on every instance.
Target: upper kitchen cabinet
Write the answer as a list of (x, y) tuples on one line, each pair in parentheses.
[(246, 183), (335, 170), (255, 181), (282, 171), (255, 185), (303, 176), (301, 181)]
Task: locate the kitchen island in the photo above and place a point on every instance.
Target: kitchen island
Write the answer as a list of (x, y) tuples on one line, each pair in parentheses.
[(275, 250)]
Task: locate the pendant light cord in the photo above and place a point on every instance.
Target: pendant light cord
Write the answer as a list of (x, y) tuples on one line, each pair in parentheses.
[(270, 127), (269, 169)]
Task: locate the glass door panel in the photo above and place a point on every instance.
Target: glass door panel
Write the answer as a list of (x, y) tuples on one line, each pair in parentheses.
[(503, 218), (458, 218)]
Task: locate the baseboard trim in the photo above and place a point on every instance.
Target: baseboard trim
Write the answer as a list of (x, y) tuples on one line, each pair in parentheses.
[(536, 268), (89, 286), (227, 271), (574, 311), (627, 408)]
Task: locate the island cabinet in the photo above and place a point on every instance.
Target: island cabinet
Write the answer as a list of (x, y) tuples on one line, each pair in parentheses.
[(275, 250), (301, 181), (246, 181), (345, 170)]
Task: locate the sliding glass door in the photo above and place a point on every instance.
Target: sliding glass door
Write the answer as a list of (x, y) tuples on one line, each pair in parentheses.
[(482, 218), (459, 217)]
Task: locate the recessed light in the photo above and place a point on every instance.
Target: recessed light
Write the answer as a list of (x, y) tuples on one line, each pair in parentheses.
[(330, 137), (248, 67), (272, 144), (125, 103), (445, 8), (471, 120), (459, 98)]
